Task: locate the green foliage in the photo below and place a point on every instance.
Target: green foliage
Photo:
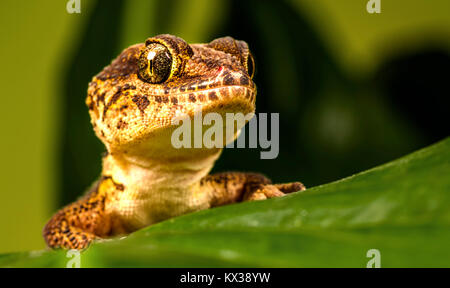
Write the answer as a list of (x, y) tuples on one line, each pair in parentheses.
[(401, 209)]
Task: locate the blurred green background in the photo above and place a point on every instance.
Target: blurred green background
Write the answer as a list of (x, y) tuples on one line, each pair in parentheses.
[(353, 89)]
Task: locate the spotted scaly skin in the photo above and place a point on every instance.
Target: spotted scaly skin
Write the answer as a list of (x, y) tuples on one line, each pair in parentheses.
[(145, 179)]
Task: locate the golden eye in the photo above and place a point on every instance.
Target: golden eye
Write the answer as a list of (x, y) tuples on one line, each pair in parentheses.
[(155, 63), (250, 65)]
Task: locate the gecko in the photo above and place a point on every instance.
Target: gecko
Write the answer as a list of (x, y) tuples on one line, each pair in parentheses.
[(144, 179)]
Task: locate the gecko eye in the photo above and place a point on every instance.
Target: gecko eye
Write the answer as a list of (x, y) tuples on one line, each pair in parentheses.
[(155, 63), (250, 65)]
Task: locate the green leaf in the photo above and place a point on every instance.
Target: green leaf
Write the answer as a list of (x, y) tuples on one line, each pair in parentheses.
[(401, 209)]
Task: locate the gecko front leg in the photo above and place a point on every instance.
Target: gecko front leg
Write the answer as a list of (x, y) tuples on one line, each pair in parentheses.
[(231, 187), (78, 224)]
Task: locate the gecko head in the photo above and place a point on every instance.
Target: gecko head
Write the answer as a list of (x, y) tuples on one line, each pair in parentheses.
[(133, 102)]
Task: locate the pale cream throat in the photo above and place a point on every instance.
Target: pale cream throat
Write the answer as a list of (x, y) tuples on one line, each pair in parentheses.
[(144, 176)]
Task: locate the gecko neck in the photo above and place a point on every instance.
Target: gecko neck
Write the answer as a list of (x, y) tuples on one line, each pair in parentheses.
[(145, 173), (155, 190)]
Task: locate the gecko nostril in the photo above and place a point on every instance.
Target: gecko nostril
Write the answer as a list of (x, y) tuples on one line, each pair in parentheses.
[(244, 80)]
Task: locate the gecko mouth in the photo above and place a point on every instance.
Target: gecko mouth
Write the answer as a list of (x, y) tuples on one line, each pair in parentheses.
[(219, 94)]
